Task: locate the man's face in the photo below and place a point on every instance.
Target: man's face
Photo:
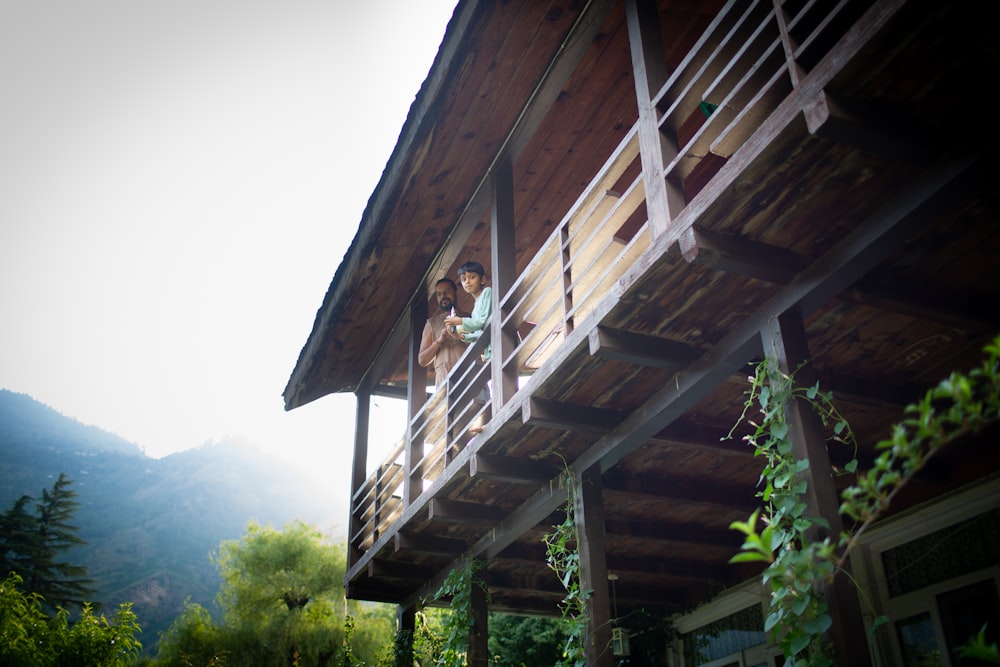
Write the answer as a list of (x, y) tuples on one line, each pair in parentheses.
[(445, 296)]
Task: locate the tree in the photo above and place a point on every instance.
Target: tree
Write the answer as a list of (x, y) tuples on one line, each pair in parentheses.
[(283, 603), (32, 546), (30, 638), (526, 640), (17, 537)]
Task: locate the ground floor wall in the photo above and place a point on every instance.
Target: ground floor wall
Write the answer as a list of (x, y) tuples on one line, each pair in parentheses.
[(933, 571)]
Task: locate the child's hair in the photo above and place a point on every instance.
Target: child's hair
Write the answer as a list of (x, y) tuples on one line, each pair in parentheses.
[(471, 267)]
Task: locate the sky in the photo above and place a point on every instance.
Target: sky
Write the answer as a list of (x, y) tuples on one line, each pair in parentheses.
[(179, 181)]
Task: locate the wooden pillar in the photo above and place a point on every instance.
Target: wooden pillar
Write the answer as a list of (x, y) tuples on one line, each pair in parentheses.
[(649, 67), (593, 567), (785, 340), (406, 626), (504, 272), (358, 470), (479, 652), (416, 396)]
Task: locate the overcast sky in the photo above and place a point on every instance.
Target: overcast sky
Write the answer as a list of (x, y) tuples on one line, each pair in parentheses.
[(179, 180)]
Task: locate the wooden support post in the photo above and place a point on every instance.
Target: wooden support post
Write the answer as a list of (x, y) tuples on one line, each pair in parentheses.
[(406, 626), (358, 470), (785, 340), (649, 68), (479, 652), (502, 254), (593, 567), (416, 397)]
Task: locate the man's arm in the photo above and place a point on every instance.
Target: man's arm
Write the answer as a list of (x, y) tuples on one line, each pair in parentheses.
[(429, 346)]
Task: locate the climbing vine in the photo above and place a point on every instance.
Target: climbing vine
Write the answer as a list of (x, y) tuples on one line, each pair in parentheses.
[(457, 587), (563, 557), (799, 564)]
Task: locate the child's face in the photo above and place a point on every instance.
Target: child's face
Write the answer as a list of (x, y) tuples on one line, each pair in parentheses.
[(471, 282)]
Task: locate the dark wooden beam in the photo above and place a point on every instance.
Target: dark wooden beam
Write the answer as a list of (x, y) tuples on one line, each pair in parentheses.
[(457, 511), (640, 349), (741, 256), (681, 491), (569, 417), (593, 565), (873, 130), (509, 469), (428, 545), (697, 436), (384, 569), (673, 533), (391, 391), (785, 339), (960, 309)]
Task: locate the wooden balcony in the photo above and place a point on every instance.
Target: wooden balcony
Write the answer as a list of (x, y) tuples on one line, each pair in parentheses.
[(795, 178)]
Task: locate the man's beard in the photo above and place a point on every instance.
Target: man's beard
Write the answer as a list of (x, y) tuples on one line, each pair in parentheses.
[(446, 304)]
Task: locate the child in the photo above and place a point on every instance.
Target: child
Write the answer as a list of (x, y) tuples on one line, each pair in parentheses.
[(470, 329), (470, 275)]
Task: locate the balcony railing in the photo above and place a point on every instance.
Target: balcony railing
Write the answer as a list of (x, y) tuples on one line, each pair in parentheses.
[(749, 60)]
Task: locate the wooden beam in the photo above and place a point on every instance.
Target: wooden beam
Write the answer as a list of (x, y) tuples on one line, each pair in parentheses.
[(872, 130), (384, 569), (569, 417), (510, 469), (503, 255), (635, 348), (358, 476), (458, 511), (680, 491), (697, 436), (428, 545), (960, 309), (650, 72), (593, 567), (741, 256), (673, 533), (785, 339), (478, 653)]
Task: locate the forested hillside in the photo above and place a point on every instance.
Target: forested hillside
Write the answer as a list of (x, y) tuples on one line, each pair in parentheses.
[(151, 524)]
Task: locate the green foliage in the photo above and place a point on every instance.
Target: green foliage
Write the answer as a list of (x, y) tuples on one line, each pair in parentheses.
[(798, 564), (563, 557), (282, 603), (30, 638), (149, 523), (526, 641), (32, 545), (457, 625), (978, 649)]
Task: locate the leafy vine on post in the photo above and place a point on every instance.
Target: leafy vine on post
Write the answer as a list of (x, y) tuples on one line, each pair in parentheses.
[(798, 567), (562, 555), (457, 587)]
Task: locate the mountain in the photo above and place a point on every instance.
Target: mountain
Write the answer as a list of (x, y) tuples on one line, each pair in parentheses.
[(151, 524)]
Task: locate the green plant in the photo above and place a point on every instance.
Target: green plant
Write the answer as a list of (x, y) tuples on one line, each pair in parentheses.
[(978, 649), (457, 588), (798, 565), (563, 557)]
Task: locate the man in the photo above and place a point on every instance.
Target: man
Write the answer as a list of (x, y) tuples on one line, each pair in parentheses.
[(437, 345)]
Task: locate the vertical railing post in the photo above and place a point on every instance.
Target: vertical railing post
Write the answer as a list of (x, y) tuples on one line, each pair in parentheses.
[(416, 397), (567, 279), (358, 470), (502, 254), (379, 490), (663, 199)]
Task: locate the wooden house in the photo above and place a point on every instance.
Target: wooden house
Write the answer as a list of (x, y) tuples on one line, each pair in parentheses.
[(664, 192)]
